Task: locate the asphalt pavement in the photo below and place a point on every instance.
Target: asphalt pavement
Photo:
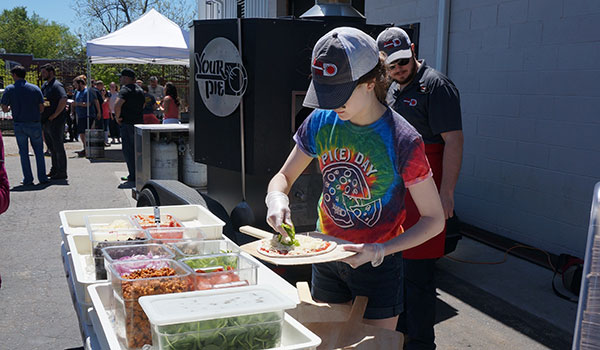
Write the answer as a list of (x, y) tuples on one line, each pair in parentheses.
[(480, 306)]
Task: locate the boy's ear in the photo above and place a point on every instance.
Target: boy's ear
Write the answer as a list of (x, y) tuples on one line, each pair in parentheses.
[(371, 85)]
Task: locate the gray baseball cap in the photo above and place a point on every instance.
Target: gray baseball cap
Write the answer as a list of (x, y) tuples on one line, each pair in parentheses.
[(395, 43), (339, 59)]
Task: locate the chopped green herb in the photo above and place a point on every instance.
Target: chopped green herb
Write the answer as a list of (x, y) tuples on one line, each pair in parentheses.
[(212, 261), (291, 231), (261, 331)]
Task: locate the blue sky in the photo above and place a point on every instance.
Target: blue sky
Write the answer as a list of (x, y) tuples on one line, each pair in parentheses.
[(58, 11)]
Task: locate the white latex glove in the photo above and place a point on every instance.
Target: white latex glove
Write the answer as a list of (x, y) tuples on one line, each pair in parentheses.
[(278, 211), (373, 252)]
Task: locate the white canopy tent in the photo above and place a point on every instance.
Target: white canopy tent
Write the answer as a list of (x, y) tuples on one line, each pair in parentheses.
[(151, 39)]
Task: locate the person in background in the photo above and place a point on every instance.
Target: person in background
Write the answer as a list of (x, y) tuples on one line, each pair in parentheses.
[(86, 114), (4, 185), (149, 107), (97, 86), (53, 122), (156, 90), (105, 114), (71, 117), (430, 102), (128, 112), (113, 127), (26, 102), (171, 105), (370, 157), (139, 83)]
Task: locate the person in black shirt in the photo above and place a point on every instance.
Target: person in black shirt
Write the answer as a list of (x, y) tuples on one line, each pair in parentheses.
[(98, 122), (53, 121), (71, 119), (128, 112), (430, 102)]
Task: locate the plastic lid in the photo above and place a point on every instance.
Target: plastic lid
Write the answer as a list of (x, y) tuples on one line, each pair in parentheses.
[(166, 309)]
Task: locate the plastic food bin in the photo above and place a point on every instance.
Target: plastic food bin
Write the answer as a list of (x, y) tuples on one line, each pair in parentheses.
[(131, 324), (135, 252), (194, 248), (225, 319), (73, 221), (221, 271), (102, 238), (169, 235), (108, 222), (147, 221), (294, 335)]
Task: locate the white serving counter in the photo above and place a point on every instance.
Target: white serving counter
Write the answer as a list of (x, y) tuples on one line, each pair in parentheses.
[(95, 321)]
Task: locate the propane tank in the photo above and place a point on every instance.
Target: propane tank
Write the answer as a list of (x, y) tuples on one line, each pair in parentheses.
[(164, 161), (194, 174)]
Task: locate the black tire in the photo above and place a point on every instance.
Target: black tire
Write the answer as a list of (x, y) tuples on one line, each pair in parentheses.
[(147, 198)]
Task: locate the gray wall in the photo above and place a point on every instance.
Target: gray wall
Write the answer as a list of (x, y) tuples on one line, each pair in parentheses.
[(528, 73)]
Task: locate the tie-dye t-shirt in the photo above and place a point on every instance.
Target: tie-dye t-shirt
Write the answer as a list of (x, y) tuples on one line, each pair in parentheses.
[(366, 170)]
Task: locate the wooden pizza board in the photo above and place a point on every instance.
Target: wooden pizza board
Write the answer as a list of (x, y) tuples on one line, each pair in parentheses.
[(252, 248), (340, 326)]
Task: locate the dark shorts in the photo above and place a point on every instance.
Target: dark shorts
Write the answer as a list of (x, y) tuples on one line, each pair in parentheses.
[(337, 282), (82, 124)]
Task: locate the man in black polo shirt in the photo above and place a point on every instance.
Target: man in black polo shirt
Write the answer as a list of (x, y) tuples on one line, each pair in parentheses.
[(128, 112), (98, 122), (53, 121), (429, 101)]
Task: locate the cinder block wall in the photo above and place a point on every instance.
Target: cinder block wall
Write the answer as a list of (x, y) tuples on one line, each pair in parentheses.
[(528, 72)]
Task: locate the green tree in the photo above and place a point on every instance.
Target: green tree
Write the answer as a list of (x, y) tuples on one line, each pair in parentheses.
[(21, 33), (106, 16)]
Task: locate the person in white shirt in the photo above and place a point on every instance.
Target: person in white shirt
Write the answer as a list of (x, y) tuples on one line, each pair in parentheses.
[(156, 90), (112, 126)]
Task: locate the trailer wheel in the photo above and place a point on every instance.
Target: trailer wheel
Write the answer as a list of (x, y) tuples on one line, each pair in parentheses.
[(147, 198)]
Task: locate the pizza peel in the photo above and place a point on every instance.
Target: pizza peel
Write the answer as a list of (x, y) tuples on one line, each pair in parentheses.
[(252, 248)]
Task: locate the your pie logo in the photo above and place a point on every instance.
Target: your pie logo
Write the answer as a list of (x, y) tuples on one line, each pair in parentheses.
[(347, 197), (220, 76)]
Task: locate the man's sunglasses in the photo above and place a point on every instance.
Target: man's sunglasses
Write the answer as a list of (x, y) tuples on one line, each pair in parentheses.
[(400, 62)]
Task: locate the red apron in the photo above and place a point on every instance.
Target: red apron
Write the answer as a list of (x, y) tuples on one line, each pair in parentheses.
[(433, 248)]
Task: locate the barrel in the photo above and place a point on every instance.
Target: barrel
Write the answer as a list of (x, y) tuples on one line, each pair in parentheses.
[(194, 174), (164, 161), (94, 143)]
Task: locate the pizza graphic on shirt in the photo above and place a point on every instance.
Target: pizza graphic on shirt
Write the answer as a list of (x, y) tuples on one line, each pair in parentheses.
[(347, 197)]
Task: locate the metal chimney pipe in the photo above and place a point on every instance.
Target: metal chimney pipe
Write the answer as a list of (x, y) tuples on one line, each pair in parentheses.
[(332, 8)]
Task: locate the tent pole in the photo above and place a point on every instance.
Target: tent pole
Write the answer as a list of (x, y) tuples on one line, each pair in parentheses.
[(88, 85)]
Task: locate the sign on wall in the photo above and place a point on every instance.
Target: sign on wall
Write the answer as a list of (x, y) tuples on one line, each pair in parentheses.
[(221, 76)]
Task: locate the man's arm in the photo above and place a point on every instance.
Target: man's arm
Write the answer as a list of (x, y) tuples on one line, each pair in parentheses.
[(62, 103), (118, 104), (451, 163), (42, 107)]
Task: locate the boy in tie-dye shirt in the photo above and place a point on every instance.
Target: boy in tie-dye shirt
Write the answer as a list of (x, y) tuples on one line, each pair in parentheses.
[(369, 156), (366, 170)]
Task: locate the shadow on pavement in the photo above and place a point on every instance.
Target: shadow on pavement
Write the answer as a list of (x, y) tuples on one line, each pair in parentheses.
[(443, 311), (110, 155), (522, 321), (39, 186), (127, 184)]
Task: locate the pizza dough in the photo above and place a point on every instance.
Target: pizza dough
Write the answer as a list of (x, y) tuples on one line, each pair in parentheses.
[(309, 246)]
